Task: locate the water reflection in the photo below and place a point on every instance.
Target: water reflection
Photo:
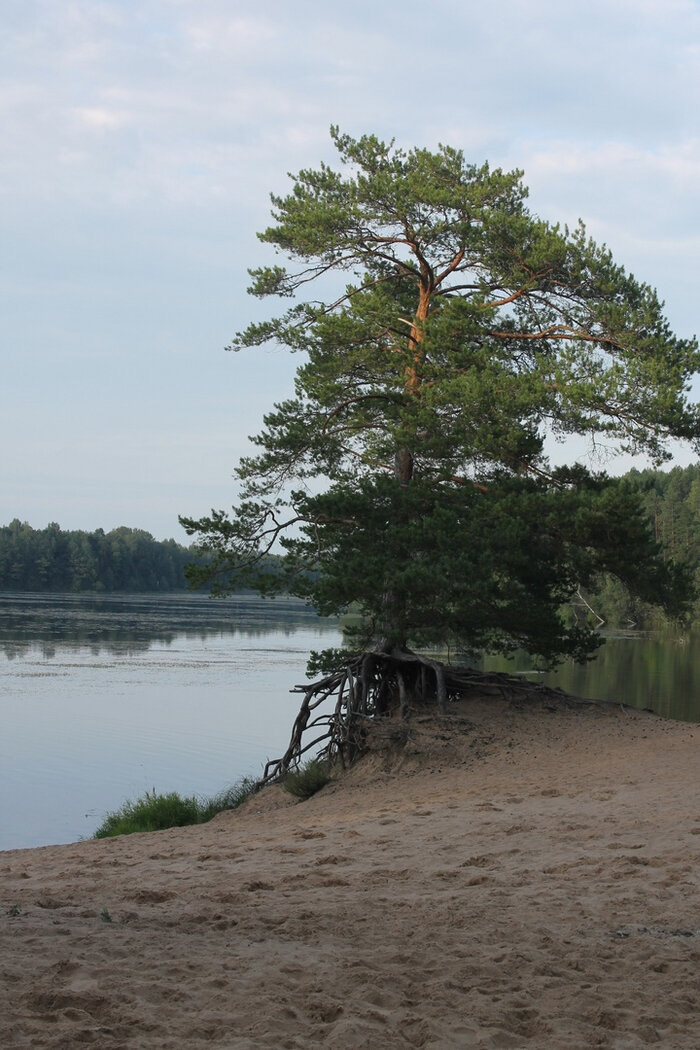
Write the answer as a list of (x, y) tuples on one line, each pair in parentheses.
[(130, 624), (105, 698), (660, 673)]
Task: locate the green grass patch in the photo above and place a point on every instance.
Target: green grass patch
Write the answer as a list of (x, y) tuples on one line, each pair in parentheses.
[(156, 812), (307, 779)]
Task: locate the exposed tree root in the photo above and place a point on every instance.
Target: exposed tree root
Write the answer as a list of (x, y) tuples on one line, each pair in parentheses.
[(335, 710)]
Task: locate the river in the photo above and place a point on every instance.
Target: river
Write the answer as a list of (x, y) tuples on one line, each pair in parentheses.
[(105, 698)]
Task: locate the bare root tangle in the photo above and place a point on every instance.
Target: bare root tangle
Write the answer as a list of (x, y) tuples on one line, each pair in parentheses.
[(374, 684)]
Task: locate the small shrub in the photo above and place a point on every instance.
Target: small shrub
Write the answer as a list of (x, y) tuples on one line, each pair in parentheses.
[(156, 812), (307, 779)]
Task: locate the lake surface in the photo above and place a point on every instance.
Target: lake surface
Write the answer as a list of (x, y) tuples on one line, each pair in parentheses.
[(105, 698), (659, 673)]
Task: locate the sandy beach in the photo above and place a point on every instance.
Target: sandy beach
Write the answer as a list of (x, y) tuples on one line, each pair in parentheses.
[(514, 876)]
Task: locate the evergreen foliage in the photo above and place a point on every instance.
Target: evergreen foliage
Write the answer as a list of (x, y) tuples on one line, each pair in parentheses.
[(671, 502), (54, 560), (409, 466)]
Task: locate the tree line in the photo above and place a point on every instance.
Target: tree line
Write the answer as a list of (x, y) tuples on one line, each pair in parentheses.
[(124, 560), (671, 502), (54, 560), (131, 560)]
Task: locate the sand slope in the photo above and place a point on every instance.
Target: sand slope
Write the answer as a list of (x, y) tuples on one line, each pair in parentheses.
[(516, 877)]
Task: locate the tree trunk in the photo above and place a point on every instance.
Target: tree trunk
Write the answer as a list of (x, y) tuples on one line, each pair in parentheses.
[(403, 466)]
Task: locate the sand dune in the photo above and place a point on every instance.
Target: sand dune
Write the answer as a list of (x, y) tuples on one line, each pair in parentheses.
[(513, 877)]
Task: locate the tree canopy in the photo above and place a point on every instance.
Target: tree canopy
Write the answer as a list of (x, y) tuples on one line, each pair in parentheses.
[(454, 332)]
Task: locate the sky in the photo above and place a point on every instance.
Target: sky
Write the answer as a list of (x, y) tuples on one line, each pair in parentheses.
[(140, 143)]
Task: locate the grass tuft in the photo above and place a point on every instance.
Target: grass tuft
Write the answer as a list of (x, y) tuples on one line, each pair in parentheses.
[(156, 812), (231, 798), (307, 779)]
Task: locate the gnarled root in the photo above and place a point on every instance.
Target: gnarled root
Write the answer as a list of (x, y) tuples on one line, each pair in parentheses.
[(335, 709)]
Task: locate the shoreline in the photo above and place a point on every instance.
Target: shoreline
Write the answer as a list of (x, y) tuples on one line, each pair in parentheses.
[(515, 876)]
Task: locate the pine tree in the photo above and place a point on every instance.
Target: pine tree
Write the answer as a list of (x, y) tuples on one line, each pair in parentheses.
[(407, 476)]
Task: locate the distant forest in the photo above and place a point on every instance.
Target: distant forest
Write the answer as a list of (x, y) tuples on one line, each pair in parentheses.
[(672, 503), (127, 560), (131, 560)]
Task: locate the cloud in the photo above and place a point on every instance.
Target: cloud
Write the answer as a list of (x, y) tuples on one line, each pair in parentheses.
[(182, 86), (99, 118), (679, 162), (232, 37), (141, 139)]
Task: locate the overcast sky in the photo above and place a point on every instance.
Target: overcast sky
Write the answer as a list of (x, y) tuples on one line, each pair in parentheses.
[(140, 141)]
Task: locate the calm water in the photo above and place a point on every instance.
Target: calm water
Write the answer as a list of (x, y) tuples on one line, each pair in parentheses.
[(660, 673), (103, 699)]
